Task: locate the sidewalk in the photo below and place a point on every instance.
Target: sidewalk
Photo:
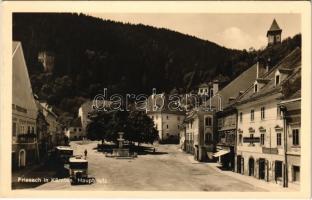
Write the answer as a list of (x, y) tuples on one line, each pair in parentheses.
[(269, 186)]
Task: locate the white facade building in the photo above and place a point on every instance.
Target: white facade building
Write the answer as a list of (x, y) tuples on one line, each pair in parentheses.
[(261, 128)]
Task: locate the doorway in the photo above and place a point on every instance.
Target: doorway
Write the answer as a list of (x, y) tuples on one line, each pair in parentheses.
[(22, 158), (239, 162), (251, 166), (261, 168)]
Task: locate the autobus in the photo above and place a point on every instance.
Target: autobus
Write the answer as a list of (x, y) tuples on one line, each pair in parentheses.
[(63, 153), (78, 170)]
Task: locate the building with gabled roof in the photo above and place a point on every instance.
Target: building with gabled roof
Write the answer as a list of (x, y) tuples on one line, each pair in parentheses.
[(24, 113), (202, 141), (261, 129), (74, 130)]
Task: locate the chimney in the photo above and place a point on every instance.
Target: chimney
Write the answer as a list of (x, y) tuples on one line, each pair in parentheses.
[(260, 70), (268, 65), (215, 87)]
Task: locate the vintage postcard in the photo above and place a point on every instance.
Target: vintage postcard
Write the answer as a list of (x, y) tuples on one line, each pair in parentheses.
[(156, 99)]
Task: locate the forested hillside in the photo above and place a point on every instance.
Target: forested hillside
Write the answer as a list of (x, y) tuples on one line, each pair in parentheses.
[(91, 53)]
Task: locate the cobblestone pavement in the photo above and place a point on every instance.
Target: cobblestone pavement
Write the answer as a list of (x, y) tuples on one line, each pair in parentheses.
[(167, 170)]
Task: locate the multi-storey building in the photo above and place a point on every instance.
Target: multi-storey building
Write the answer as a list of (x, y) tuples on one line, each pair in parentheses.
[(74, 130), (292, 110), (166, 120), (226, 113), (261, 128), (24, 113), (54, 127), (199, 139)]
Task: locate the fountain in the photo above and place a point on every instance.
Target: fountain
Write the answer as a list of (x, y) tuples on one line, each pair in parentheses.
[(121, 152)]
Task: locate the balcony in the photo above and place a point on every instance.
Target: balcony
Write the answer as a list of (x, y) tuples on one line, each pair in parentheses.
[(26, 138)]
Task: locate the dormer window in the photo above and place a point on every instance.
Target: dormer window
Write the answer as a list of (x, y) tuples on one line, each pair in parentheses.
[(256, 87), (277, 79)]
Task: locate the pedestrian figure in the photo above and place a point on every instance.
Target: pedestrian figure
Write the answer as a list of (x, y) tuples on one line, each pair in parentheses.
[(86, 153)]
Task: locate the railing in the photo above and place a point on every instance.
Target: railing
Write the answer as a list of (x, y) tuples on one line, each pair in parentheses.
[(26, 138)]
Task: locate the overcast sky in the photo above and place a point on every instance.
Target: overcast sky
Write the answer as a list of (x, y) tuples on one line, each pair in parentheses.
[(239, 31)]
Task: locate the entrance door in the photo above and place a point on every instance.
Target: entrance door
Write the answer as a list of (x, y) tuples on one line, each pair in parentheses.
[(278, 169), (296, 173), (238, 162), (22, 158), (251, 167), (261, 168)]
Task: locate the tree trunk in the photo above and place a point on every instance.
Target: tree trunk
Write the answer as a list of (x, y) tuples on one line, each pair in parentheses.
[(102, 141)]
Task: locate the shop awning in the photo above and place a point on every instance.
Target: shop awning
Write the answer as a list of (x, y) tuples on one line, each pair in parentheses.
[(221, 153)]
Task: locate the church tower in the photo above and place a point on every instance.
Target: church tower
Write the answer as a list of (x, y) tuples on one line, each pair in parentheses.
[(274, 34)]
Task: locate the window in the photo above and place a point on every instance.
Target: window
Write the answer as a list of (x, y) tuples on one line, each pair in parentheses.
[(252, 115), (279, 139), (241, 117), (178, 118), (256, 88), (295, 135), (191, 124), (14, 129), (208, 138), (278, 38), (277, 79), (28, 130), (262, 139), (152, 117), (208, 121), (278, 112), (178, 126), (167, 117), (75, 129), (167, 126), (240, 138), (201, 90), (32, 130), (262, 112)]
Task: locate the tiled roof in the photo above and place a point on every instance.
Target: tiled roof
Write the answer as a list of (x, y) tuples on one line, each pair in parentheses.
[(234, 88), (291, 62)]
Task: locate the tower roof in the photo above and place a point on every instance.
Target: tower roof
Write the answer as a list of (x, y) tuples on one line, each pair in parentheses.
[(274, 26)]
